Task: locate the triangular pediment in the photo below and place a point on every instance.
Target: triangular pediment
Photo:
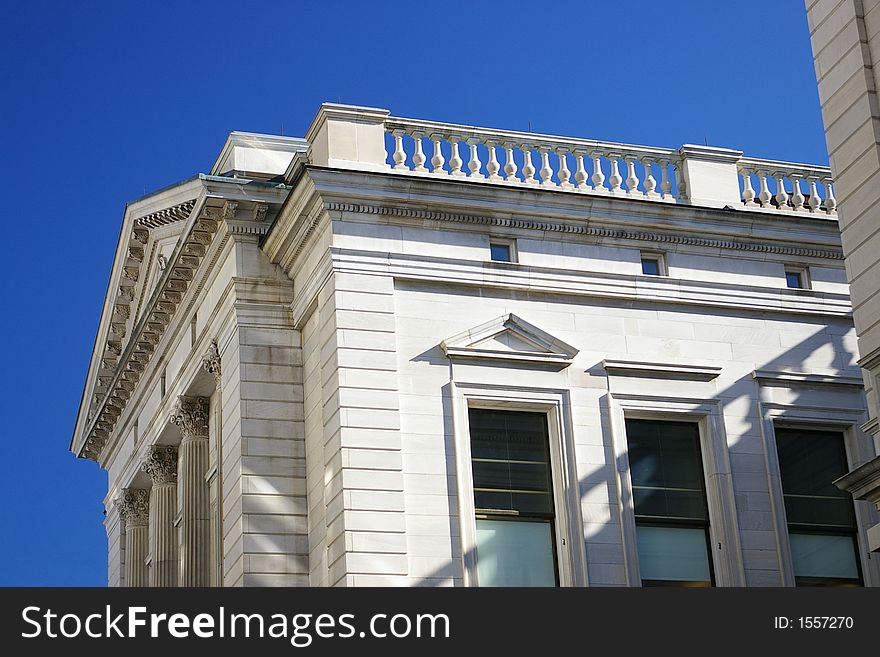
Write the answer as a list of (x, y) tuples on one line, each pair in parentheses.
[(509, 338)]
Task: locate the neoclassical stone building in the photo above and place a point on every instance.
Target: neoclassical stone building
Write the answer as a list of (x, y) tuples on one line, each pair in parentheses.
[(845, 37), (403, 352)]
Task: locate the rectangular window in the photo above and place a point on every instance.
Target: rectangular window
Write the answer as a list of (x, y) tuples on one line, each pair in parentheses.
[(797, 279), (501, 252), (821, 518), (652, 264), (669, 500), (513, 498)]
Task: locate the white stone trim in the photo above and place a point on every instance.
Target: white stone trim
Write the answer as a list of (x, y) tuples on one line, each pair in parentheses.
[(727, 559), (781, 378), (586, 228), (553, 350), (571, 554), (657, 289), (661, 370)]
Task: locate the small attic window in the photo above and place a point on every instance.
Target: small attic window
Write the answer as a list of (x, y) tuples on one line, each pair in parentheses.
[(797, 278), (502, 251)]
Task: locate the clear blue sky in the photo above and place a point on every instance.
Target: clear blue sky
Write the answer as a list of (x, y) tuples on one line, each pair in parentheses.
[(103, 101)]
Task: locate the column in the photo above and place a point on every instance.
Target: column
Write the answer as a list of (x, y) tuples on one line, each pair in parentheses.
[(191, 417), (161, 465), (134, 507)]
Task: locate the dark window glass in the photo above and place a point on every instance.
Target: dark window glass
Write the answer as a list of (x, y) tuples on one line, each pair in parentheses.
[(669, 500), (650, 266), (513, 498), (500, 252), (511, 461), (794, 279), (821, 518)]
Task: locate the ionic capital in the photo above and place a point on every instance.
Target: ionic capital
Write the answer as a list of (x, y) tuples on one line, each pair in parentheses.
[(191, 417), (161, 464), (134, 506)]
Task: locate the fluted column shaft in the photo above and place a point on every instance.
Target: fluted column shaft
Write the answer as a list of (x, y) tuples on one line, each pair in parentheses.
[(161, 465), (134, 507), (191, 416)]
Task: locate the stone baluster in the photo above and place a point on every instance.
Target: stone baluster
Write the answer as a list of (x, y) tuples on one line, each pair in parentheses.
[(546, 172), (797, 196), (474, 163), (437, 159), (764, 195), (815, 201), (509, 163), (830, 201), (418, 154), (528, 169), (650, 183), (679, 177), (748, 195), (632, 180), (399, 155), (580, 175), (493, 166), (134, 507), (598, 177), (191, 417), (161, 465), (665, 182), (455, 160), (564, 174), (615, 179), (781, 194)]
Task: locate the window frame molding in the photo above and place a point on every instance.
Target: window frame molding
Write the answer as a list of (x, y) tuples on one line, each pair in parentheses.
[(660, 257), (510, 243), (803, 271), (845, 420), (568, 524), (727, 563)]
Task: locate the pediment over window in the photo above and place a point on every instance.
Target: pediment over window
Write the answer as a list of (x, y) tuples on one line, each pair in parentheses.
[(509, 338)]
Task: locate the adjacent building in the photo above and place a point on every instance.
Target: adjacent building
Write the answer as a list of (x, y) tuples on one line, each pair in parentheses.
[(846, 44), (404, 352)]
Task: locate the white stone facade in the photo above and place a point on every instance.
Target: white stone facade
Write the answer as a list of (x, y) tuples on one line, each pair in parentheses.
[(846, 46), (325, 311)]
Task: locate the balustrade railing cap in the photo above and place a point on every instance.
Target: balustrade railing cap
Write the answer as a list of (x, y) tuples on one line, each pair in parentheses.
[(710, 153), (350, 113)]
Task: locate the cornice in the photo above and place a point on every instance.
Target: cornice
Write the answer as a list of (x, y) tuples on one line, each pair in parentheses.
[(870, 360), (132, 362), (562, 227), (863, 482), (661, 370), (178, 283), (789, 378)]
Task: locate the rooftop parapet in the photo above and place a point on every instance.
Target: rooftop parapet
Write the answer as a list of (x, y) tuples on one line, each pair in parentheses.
[(370, 139)]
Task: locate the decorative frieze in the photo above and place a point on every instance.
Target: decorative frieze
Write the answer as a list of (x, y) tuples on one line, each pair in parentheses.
[(577, 229)]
